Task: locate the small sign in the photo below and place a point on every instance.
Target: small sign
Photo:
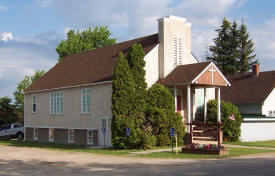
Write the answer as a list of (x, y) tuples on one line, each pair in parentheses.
[(127, 131), (172, 132), (104, 131)]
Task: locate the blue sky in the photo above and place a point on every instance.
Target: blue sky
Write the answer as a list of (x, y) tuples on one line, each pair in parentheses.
[(31, 29)]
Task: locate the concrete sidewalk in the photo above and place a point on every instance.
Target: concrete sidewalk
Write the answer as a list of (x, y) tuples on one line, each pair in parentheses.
[(155, 150), (251, 147), (179, 148)]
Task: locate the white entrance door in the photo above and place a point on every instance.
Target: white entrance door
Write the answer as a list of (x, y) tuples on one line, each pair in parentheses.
[(103, 132)]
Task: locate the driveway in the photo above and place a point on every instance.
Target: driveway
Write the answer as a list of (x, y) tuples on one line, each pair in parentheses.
[(33, 161)]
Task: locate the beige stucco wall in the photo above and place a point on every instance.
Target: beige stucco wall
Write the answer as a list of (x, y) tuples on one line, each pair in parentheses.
[(269, 103), (151, 66), (169, 28), (72, 116)]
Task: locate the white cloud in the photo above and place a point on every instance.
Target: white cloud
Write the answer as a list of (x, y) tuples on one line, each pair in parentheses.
[(66, 30), (262, 35), (135, 18), (22, 56), (5, 36), (3, 8)]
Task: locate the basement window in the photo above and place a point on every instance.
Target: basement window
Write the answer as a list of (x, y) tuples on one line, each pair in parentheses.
[(70, 136), (51, 134), (90, 137)]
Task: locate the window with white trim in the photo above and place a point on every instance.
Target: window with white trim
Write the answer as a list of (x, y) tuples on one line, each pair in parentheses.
[(33, 104), (71, 136), (90, 137), (177, 51), (273, 113), (85, 100), (51, 134), (35, 134), (56, 103), (270, 113)]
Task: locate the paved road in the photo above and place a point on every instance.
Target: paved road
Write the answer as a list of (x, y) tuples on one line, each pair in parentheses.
[(31, 161)]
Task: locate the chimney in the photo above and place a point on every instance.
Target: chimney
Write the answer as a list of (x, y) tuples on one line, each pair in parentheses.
[(256, 69)]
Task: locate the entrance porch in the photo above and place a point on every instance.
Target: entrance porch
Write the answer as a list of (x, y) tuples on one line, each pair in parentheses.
[(193, 86)]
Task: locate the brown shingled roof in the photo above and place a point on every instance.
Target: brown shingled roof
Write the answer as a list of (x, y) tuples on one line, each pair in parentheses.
[(247, 88), (89, 66), (184, 73)]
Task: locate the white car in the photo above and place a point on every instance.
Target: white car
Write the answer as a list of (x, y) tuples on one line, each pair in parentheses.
[(11, 131)]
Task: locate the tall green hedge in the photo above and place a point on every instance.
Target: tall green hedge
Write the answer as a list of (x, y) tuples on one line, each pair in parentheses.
[(122, 99), (136, 63), (231, 128)]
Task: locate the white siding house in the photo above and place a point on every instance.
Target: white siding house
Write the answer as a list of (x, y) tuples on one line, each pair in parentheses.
[(254, 95)]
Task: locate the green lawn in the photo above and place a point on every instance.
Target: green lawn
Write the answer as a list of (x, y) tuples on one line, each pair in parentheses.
[(110, 151), (270, 144), (68, 148), (233, 152)]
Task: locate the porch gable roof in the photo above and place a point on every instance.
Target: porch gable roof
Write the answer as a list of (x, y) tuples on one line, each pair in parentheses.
[(198, 73)]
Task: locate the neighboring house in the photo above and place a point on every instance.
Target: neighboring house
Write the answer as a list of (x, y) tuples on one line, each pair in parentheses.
[(71, 103), (254, 95)]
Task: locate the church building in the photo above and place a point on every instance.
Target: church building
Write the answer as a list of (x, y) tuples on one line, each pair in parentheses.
[(71, 103)]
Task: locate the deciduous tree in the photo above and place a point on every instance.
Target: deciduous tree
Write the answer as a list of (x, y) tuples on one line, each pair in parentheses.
[(22, 86), (7, 111), (83, 41)]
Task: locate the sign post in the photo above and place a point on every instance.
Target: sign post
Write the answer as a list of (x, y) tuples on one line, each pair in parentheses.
[(176, 138), (127, 131), (104, 134), (172, 134)]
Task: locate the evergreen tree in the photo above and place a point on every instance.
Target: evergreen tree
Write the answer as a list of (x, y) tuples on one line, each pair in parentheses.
[(122, 102), (232, 65), (246, 57), (233, 50), (222, 51), (83, 41), (136, 63)]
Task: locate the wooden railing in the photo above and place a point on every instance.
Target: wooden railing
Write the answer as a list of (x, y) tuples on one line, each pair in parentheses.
[(207, 132)]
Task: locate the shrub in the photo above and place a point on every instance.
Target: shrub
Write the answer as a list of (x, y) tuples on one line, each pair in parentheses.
[(231, 128), (162, 115)]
